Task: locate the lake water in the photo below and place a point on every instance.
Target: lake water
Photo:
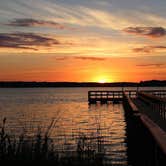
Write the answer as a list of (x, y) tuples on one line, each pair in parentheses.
[(30, 108)]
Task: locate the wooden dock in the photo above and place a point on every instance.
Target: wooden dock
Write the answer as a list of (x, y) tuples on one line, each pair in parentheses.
[(117, 96), (145, 113), (104, 97)]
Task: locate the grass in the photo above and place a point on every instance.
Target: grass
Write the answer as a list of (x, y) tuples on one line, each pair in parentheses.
[(38, 148), (42, 148)]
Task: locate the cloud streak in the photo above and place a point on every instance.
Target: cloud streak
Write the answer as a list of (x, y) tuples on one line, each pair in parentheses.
[(80, 58), (29, 22), (151, 65), (89, 58), (25, 40), (153, 32), (149, 49)]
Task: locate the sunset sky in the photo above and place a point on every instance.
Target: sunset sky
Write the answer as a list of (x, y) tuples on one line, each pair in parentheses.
[(82, 40)]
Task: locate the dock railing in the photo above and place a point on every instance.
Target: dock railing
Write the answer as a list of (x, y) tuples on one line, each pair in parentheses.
[(159, 93), (106, 96), (156, 103), (128, 103), (103, 96)]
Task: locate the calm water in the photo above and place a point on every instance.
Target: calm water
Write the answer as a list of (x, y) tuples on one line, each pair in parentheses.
[(31, 108)]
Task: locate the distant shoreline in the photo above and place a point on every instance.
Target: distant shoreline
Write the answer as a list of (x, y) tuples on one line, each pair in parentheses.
[(20, 84)]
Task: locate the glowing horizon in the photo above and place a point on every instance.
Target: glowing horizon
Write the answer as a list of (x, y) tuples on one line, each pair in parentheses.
[(82, 41)]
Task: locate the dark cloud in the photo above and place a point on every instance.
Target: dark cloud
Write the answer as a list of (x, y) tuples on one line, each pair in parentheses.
[(154, 32), (28, 22), (151, 65), (25, 40), (148, 49)]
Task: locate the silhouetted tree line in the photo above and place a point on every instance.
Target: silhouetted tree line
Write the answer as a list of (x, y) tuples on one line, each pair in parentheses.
[(19, 84)]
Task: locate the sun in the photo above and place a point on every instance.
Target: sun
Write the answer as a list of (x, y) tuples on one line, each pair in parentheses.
[(102, 81)]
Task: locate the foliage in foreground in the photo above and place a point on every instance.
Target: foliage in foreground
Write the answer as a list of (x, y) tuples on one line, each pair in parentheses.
[(42, 148)]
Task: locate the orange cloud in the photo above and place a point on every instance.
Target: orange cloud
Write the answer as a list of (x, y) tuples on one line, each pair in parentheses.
[(151, 65), (90, 58), (148, 49), (81, 58)]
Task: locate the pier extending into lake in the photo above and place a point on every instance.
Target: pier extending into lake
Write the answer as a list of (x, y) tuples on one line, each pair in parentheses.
[(108, 96), (145, 113), (116, 96)]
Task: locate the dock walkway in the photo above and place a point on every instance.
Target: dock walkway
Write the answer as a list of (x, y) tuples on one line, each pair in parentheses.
[(153, 115)]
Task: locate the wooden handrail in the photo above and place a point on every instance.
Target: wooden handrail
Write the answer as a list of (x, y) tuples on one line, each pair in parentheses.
[(151, 97), (130, 102), (156, 131)]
